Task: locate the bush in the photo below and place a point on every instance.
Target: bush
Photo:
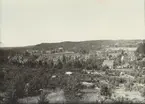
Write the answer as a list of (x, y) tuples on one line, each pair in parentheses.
[(106, 90), (105, 68), (92, 63), (38, 82), (140, 80), (59, 64), (115, 80), (10, 97), (43, 99), (17, 80), (2, 75), (143, 92), (129, 85), (71, 86), (122, 100)]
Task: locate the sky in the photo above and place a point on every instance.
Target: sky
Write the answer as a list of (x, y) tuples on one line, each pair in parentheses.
[(28, 22)]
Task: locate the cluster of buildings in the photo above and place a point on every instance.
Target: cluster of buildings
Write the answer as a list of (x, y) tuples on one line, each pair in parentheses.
[(124, 55), (119, 57)]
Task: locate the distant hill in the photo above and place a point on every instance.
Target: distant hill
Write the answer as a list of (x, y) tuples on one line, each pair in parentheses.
[(85, 45), (88, 45), (17, 48)]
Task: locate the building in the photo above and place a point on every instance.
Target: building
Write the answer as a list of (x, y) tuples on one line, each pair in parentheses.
[(109, 63)]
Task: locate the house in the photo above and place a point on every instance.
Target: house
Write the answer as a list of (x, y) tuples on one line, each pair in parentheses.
[(109, 63), (60, 49)]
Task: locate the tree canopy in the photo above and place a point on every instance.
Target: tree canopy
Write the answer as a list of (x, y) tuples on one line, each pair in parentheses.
[(141, 49)]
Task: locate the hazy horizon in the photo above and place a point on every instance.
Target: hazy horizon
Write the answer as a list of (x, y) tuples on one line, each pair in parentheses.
[(31, 22), (72, 41)]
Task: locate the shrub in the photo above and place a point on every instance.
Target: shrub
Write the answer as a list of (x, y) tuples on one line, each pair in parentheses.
[(59, 64), (143, 92), (10, 97), (43, 99), (115, 80), (2, 75), (128, 85), (71, 86), (105, 68), (106, 90), (122, 100), (19, 85)]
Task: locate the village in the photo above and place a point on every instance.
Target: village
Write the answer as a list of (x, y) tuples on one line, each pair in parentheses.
[(111, 74), (121, 57), (72, 51)]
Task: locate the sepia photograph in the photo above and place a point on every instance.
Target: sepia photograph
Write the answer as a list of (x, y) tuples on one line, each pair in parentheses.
[(72, 51)]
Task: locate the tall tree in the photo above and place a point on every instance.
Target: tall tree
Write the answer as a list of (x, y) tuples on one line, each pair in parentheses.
[(140, 52)]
